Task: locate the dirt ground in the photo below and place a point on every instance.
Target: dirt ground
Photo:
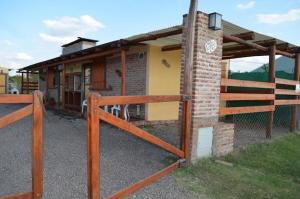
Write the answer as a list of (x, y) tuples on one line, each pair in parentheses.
[(124, 159)]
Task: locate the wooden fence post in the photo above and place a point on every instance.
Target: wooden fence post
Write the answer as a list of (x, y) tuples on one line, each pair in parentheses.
[(93, 144), (37, 146), (294, 114), (272, 74)]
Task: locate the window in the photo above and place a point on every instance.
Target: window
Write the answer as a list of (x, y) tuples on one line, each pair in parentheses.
[(73, 82)]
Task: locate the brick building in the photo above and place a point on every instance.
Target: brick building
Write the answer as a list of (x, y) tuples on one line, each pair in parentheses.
[(153, 64)]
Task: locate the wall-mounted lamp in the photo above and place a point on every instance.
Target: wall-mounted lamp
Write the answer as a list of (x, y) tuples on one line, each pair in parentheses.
[(215, 21)]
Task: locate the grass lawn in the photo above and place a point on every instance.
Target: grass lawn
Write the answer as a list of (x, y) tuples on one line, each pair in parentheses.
[(267, 170)]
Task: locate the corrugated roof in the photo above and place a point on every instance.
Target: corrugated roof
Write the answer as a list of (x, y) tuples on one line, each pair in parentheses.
[(228, 29)]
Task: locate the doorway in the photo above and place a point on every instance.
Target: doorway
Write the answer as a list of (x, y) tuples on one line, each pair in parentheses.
[(73, 91)]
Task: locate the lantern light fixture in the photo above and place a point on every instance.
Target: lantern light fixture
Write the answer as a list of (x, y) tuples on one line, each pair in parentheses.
[(215, 21)]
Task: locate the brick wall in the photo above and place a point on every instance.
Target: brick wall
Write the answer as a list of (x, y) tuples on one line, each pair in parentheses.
[(206, 78), (136, 64), (223, 138)]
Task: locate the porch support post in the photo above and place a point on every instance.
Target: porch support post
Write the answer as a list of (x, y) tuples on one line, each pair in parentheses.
[(47, 82), (272, 71), (63, 82), (22, 85), (188, 74), (27, 80), (294, 115), (123, 71)]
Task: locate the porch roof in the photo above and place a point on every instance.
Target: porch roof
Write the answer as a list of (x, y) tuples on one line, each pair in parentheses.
[(171, 39)]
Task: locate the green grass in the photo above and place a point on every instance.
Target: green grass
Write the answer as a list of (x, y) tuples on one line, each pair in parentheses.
[(267, 170)]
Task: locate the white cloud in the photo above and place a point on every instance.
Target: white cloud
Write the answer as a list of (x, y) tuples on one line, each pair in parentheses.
[(57, 39), (245, 6), (290, 16), (23, 56), (247, 64), (7, 42), (66, 29), (15, 61)]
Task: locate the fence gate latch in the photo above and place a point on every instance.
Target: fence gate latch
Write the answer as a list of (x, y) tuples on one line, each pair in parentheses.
[(186, 97)]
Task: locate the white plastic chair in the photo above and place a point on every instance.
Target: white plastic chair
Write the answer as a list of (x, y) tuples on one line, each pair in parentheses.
[(116, 110), (84, 104)]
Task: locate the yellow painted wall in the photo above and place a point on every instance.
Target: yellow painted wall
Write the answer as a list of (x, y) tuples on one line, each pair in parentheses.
[(163, 78), (3, 82)]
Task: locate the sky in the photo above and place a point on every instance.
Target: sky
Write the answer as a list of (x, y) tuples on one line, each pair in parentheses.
[(33, 30)]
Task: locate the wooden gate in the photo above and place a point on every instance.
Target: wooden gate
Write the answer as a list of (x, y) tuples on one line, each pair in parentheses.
[(35, 108), (95, 115)]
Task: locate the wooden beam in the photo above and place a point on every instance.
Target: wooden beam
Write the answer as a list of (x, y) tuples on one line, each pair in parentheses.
[(271, 77), (22, 83), (287, 54), (122, 100), (238, 47), (37, 146), (140, 133), (123, 69), (137, 186), (63, 85), (287, 102), (241, 41), (244, 53), (245, 109), (286, 92), (27, 80), (286, 81), (171, 47), (76, 59), (245, 83), (16, 99), (15, 116), (188, 75), (149, 37), (246, 97), (244, 36)]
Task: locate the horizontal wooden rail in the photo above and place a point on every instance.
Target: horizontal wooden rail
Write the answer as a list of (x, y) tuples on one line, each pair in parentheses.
[(287, 102), (246, 109), (15, 116), (16, 99), (286, 92), (112, 100), (246, 97), (137, 186), (284, 53), (140, 133), (286, 82), (19, 196), (244, 83), (30, 82)]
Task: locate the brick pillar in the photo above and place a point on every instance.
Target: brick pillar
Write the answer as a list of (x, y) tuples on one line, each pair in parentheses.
[(206, 82)]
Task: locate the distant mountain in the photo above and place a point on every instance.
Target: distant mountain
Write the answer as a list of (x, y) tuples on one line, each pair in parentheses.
[(282, 64)]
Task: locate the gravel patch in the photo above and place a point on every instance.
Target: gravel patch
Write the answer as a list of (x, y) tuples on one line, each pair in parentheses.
[(124, 159)]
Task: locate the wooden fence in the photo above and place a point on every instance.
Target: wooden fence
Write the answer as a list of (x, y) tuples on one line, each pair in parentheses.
[(35, 108), (266, 92), (28, 87), (96, 114)]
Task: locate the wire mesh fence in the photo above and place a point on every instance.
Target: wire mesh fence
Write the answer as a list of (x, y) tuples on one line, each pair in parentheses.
[(250, 128)]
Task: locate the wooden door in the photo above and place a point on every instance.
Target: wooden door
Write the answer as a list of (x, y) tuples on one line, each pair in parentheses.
[(73, 91)]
